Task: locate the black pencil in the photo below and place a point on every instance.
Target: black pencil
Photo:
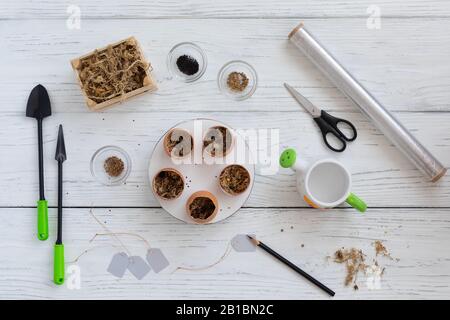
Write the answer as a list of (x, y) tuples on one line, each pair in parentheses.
[(291, 265)]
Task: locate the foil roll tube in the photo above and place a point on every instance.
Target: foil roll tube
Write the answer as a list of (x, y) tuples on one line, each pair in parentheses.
[(373, 109)]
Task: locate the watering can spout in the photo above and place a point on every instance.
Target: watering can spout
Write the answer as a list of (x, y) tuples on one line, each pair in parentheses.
[(288, 159)]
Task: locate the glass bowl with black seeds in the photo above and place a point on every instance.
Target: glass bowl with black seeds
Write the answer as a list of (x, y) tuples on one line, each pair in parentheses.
[(187, 62), (237, 80)]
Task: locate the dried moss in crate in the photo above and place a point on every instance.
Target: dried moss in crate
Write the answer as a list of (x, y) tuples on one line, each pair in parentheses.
[(114, 73)]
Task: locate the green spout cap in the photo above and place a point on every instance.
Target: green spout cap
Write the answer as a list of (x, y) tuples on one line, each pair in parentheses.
[(288, 157)]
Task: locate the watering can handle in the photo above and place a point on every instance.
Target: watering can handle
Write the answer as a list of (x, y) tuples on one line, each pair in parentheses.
[(356, 202)]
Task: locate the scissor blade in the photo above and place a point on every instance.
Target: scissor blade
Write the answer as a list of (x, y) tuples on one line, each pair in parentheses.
[(305, 103)]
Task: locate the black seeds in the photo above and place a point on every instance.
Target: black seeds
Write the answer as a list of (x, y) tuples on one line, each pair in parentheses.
[(187, 64)]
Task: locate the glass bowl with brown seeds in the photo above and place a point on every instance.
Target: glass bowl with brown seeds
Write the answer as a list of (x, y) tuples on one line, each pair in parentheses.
[(237, 80), (110, 165)]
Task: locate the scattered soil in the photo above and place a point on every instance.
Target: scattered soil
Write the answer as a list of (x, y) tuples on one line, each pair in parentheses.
[(168, 184), (380, 249), (234, 179), (179, 143), (354, 260), (114, 166), (112, 72), (202, 208), (237, 81), (217, 141)]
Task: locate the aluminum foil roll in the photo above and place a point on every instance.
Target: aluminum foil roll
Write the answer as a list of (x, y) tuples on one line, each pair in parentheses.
[(379, 116)]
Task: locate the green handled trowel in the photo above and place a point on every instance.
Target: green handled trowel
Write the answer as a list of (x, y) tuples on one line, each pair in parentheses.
[(58, 264), (38, 107)]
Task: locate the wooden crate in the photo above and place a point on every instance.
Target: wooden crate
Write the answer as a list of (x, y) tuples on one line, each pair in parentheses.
[(149, 84)]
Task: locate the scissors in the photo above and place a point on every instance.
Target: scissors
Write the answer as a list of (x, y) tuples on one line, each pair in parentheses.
[(326, 122)]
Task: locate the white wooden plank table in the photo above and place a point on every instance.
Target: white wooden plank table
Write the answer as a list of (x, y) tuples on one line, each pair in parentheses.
[(404, 64)]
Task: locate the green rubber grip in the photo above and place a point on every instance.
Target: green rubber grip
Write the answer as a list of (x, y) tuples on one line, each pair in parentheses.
[(42, 222), (356, 202), (58, 264)]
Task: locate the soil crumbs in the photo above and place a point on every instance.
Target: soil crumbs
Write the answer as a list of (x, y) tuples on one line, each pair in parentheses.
[(355, 262), (168, 184), (380, 249), (234, 179), (202, 208)]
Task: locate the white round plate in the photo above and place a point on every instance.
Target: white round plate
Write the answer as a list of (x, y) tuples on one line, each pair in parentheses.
[(202, 173)]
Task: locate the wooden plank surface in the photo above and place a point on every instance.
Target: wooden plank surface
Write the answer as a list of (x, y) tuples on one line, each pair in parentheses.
[(32, 9), (405, 64), (415, 237), (381, 174)]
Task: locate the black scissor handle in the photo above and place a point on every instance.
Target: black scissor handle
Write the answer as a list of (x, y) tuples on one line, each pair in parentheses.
[(333, 122), (326, 129)]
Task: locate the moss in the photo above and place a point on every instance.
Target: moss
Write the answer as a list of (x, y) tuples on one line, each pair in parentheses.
[(112, 72), (168, 184), (234, 179), (202, 208)]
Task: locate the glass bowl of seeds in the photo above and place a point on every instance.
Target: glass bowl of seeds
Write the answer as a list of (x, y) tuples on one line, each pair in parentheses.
[(110, 165), (237, 80), (187, 61)]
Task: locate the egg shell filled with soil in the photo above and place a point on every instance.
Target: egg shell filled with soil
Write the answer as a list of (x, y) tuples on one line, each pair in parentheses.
[(218, 141), (168, 184), (178, 143), (234, 179), (202, 206)]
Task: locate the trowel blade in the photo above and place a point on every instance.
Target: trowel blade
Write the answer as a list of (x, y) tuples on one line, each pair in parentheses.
[(38, 105)]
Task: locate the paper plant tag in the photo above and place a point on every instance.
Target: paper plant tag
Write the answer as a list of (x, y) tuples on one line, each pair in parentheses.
[(241, 243), (118, 264), (157, 260), (138, 267)]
